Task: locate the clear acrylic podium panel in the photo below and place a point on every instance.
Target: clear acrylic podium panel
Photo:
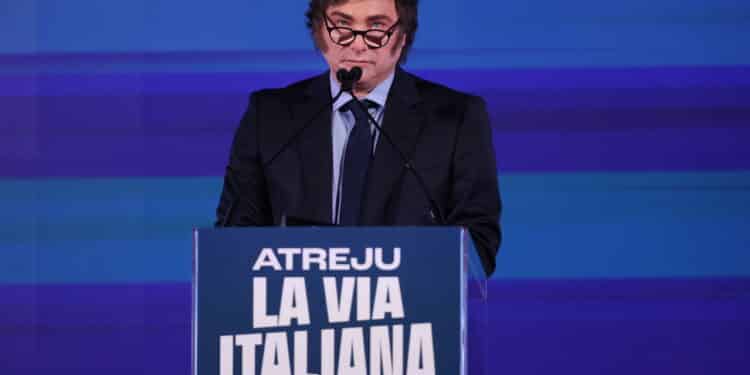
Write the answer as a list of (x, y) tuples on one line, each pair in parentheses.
[(476, 317)]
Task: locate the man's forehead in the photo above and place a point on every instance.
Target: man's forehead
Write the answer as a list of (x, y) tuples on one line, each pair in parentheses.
[(373, 17), (365, 9)]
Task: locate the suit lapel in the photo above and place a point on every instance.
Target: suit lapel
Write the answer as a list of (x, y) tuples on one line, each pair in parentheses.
[(314, 151), (402, 122)]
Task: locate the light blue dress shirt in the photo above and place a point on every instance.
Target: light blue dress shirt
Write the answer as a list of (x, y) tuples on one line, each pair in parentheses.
[(342, 124)]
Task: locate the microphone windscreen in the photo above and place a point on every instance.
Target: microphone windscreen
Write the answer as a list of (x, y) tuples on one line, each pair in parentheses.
[(356, 74), (349, 77), (342, 75)]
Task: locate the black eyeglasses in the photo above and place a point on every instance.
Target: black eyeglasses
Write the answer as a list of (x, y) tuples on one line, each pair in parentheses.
[(374, 38)]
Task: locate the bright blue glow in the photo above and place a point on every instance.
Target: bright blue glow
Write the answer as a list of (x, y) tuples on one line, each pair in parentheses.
[(487, 34)]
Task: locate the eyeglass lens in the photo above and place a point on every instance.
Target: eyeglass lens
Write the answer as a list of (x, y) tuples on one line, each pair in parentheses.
[(374, 38)]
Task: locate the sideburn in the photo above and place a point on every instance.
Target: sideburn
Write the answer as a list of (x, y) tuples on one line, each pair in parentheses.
[(317, 38), (397, 48)]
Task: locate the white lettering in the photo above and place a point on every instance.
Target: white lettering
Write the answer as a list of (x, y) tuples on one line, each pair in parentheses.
[(395, 262), (313, 255), (248, 344), (363, 298), (387, 299), (420, 347), (337, 257), (339, 309), (293, 303), (267, 258), (333, 259), (326, 352), (260, 318), (392, 360), (226, 355), (367, 263), (276, 355), (289, 253), (300, 353), (352, 352)]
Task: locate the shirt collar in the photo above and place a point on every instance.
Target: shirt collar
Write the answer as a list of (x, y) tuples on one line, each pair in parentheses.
[(378, 95)]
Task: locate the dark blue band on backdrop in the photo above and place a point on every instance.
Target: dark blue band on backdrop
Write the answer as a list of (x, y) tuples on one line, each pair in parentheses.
[(544, 120), (650, 326)]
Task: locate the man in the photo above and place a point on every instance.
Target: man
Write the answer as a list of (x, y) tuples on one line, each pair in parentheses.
[(296, 155)]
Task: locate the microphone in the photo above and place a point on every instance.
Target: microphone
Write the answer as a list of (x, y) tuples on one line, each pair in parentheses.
[(354, 75), (349, 77)]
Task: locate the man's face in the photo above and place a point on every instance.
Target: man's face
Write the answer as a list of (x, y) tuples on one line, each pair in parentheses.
[(376, 64)]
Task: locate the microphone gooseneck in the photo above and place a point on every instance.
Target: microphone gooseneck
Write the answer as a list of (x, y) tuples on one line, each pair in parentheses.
[(349, 76), (352, 77), (302, 129), (226, 221)]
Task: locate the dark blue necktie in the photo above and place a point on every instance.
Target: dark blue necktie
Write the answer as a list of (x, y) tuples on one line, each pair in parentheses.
[(357, 157)]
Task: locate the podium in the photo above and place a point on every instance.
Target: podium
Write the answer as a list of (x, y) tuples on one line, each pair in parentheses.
[(338, 301)]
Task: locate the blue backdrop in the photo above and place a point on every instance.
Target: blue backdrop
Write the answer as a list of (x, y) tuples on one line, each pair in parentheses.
[(620, 128)]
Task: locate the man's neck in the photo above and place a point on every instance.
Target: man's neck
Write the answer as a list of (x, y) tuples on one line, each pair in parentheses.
[(361, 92)]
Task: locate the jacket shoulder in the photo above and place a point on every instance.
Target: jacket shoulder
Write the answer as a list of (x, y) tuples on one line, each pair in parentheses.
[(288, 93), (448, 103), (438, 93)]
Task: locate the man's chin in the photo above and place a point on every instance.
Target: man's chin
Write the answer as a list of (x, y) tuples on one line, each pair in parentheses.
[(350, 64), (365, 84)]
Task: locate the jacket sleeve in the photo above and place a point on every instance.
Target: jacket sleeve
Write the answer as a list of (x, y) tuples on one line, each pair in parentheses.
[(244, 198), (475, 197)]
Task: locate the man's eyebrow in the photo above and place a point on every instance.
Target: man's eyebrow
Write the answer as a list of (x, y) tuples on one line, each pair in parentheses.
[(342, 15), (379, 17)]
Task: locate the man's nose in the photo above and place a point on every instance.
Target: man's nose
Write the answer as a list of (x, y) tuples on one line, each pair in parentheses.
[(359, 44)]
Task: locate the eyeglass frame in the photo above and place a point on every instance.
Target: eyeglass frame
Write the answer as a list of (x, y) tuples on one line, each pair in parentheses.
[(387, 33)]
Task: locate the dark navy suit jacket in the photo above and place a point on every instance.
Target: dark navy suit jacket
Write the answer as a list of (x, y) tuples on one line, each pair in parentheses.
[(445, 133)]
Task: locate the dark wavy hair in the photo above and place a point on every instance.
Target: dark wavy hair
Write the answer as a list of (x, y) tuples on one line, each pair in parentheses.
[(407, 14)]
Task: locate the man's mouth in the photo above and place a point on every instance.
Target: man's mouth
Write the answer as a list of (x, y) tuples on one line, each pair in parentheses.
[(354, 62)]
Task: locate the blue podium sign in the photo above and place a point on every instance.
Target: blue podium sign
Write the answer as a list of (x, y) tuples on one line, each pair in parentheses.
[(329, 301)]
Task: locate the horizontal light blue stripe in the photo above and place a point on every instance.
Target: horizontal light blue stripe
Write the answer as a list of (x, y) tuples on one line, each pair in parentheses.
[(577, 225)]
